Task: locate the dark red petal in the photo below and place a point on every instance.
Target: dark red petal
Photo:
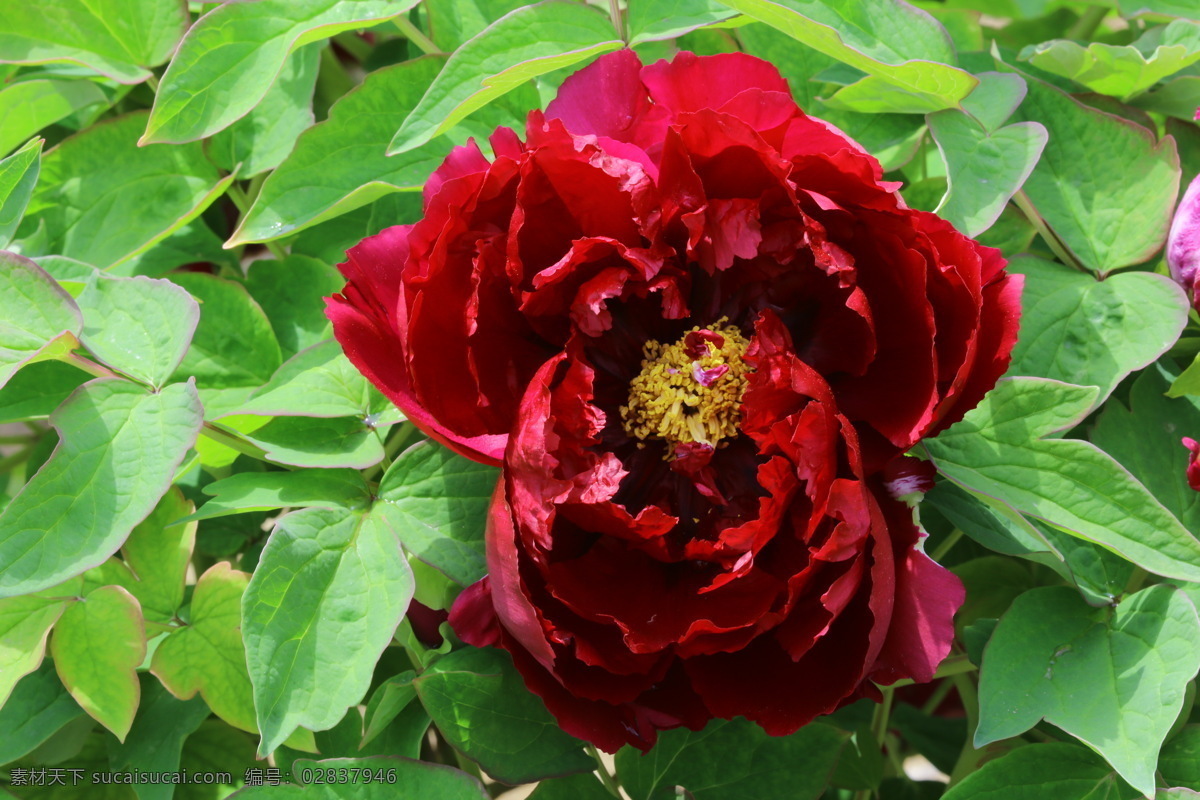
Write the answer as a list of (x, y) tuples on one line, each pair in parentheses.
[(473, 616), (998, 325), (518, 616), (691, 83), (926, 598), (605, 98)]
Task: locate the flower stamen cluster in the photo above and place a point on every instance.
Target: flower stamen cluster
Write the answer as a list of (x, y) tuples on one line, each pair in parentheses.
[(689, 391)]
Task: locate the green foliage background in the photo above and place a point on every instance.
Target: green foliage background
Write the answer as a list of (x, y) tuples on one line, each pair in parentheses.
[(211, 525)]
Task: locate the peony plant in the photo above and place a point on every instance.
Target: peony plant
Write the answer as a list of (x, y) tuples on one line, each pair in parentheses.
[(715, 399)]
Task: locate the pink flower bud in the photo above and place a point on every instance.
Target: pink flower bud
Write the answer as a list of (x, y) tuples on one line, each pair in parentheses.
[(1183, 243), (1193, 467)]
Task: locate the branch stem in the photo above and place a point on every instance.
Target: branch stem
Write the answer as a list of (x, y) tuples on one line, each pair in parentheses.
[(606, 777), (89, 366), (414, 35), (235, 442), (1087, 23), (243, 202), (1048, 236), (614, 11)]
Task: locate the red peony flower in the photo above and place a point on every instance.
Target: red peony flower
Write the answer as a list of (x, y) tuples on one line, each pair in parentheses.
[(698, 330)]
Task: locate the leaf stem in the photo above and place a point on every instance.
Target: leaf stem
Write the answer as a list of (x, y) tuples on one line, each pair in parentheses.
[(969, 757), (606, 777), (949, 542), (234, 442), (1136, 580), (398, 440), (17, 439), (883, 712), (414, 35), (1057, 245), (19, 457), (243, 203), (957, 664), (937, 696), (89, 366), (1087, 23), (152, 82), (256, 186), (614, 11)]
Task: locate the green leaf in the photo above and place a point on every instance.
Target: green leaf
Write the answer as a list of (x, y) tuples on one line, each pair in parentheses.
[(193, 243), (234, 344), (215, 747), (983, 169), (18, 176), (1070, 484), (1176, 98), (1169, 8), (25, 623), (38, 389), (528, 42), (103, 199), (39, 706), (329, 241), (155, 742), (330, 588), (99, 642), (892, 138), (387, 701), (117, 38), (733, 760), (159, 552), (264, 491), (320, 442), (1145, 436), (1103, 185), (1123, 71), (452, 22), (654, 20), (481, 706), (119, 448), (263, 138), (340, 164), (231, 56), (28, 106), (1056, 771), (38, 319), (1112, 677), (995, 98), (438, 501), (207, 655), (292, 293), (1179, 761), (796, 61), (317, 382), (1089, 332), (139, 326), (989, 525), (906, 53)]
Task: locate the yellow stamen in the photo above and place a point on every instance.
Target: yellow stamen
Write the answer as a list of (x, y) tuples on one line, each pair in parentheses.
[(669, 399)]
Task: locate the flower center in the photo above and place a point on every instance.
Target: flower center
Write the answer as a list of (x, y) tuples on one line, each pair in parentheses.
[(689, 391)]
